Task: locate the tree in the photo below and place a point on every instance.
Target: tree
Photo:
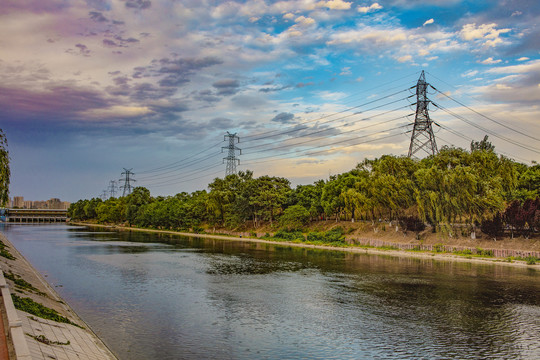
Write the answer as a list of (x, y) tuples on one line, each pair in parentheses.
[(294, 217), (482, 145), (5, 172)]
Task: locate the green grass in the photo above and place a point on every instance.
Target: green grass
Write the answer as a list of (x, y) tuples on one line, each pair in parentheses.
[(22, 284), (4, 252), (44, 340), (30, 306)]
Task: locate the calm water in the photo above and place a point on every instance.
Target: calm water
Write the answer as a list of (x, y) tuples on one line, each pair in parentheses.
[(164, 297)]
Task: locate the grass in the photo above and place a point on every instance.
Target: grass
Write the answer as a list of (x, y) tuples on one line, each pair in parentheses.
[(44, 340), (4, 252), (30, 306), (22, 284)]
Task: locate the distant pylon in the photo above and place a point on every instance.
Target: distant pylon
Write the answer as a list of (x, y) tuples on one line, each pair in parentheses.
[(127, 181), (422, 137), (103, 195), (231, 158), (112, 188)]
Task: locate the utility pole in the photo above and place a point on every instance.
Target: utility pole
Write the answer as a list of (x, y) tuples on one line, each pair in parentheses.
[(422, 137), (112, 188), (231, 158), (127, 181)]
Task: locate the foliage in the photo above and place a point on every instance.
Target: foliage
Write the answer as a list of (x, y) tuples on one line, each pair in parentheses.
[(334, 235), (4, 252), (46, 341), (412, 223), (453, 190), (493, 227), (289, 235), (30, 306), (294, 217), (5, 171), (21, 283)]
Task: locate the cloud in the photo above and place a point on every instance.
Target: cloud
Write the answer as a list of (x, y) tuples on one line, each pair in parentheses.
[(345, 71), (404, 58), (288, 16), (304, 21), (427, 22), (486, 33), (97, 16), (283, 118), (138, 4), (490, 61), (371, 8), (524, 58), (226, 86), (335, 4)]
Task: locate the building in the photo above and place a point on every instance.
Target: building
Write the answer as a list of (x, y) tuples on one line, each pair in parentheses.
[(18, 202)]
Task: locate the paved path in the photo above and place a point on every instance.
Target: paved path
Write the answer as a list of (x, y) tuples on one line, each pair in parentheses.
[(82, 345)]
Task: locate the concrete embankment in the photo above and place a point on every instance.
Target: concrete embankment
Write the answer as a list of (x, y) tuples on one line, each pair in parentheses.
[(385, 248), (32, 337)]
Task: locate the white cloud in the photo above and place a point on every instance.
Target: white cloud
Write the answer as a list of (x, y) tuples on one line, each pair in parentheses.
[(470, 73), (427, 22), (404, 58), (490, 61), (371, 8), (485, 32), (304, 21), (335, 4), (288, 16), (346, 71), (524, 58)]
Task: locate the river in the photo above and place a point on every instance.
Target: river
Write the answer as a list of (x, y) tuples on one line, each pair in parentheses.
[(152, 296)]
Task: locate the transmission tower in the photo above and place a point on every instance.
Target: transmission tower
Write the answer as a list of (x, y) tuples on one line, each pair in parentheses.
[(103, 195), (112, 188), (422, 137), (127, 181), (231, 158)]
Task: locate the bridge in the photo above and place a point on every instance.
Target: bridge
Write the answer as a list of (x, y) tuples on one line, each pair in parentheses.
[(33, 215)]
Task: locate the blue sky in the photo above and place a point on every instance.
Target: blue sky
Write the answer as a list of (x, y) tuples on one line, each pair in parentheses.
[(311, 87)]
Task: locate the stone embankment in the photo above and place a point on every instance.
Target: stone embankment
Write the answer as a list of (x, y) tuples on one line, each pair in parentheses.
[(30, 337)]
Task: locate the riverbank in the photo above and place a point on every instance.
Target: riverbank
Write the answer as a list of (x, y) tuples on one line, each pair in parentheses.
[(64, 335), (384, 250)]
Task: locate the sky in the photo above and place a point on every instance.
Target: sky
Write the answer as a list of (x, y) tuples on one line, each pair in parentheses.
[(311, 88)]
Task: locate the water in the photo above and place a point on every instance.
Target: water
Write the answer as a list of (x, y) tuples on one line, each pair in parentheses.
[(152, 296)]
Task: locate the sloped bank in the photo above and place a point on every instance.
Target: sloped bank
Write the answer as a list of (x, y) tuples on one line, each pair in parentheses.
[(48, 326)]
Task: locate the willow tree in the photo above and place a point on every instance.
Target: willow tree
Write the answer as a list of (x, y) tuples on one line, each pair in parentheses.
[(4, 170)]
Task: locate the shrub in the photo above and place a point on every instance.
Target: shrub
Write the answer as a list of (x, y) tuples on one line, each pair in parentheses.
[(294, 217), (412, 223), (493, 227), (285, 234)]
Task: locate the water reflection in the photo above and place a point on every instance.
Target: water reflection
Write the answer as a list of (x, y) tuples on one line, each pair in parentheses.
[(161, 296)]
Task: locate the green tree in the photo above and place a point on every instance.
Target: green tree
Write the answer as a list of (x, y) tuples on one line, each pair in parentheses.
[(5, 171), (294, 217)]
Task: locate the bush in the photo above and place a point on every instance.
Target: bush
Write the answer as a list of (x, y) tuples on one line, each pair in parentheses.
[(294, 217), (334, 235), (493, 227), (411, 223), (285, 234)]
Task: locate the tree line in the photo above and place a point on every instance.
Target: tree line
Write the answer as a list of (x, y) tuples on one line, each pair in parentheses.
[(456, 188)]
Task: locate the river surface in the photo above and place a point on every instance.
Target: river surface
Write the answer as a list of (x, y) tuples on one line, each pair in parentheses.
[(151, 296)]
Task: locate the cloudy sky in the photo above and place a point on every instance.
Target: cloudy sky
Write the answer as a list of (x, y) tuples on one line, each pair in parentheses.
[(311, 87)]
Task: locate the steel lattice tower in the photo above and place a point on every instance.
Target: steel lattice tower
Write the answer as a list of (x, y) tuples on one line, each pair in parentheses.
[(422, 137), (127, 181), (112, 188), (231, 158)]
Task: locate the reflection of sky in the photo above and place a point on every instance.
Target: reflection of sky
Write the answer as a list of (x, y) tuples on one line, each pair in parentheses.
[(217, 299), (91, 87)]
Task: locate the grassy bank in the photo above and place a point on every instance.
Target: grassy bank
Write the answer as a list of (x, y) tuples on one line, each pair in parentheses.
[(351, 240)]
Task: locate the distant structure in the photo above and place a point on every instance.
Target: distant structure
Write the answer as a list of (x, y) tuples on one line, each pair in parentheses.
[(422, 137), (127, 181), (112, 188), (231, 157), (18, 202)]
